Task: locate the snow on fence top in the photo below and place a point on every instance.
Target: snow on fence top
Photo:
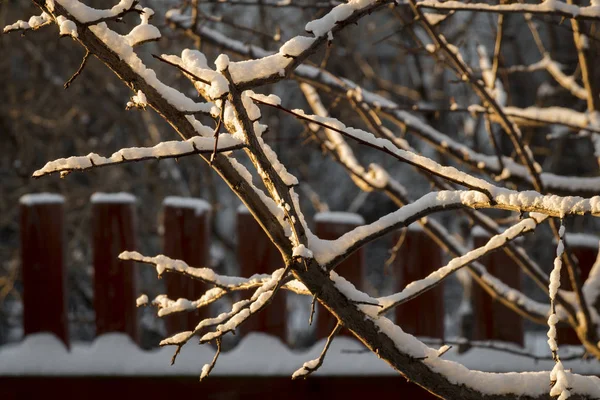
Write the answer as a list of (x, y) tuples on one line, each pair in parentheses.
[(415, 227), (114, 354), (582, 240), (120, 197), (339, 217), (479, 232), (41, 198), (242, 209), (199, 205)]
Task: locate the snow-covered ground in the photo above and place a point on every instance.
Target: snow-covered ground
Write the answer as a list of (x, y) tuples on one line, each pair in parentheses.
[(256, 355)]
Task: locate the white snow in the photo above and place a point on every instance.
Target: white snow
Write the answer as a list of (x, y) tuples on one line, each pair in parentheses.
[(582, 240), (142, 300), (302, 251), (20, 24), (67, 27), (419, 286), (120, 197), (244, 71), (551, 182), (222, 62), (287, 178), (195, 62), (366, 180), (296, 45), (555, 274), (486, 68), (444, 349), (545, 6), (339, 217), (139, 100), (86, 14), (41, 198), (34, 22), (327, 250), (561, 378), (268, 201), (325, 24), (306, 368), (558, 376), (242, 209), (163, 263), (141, 34), (200, 206), (164, 149), (274, 65), (566, 81), (258, 354), (270, 99), (120, 45), (242, 310)]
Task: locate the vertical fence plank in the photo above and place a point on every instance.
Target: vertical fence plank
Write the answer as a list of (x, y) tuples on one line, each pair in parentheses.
[(417, 257), (492, 320), (585, 249), (43, 268), (186, 237), (258, 255), (330, 226), (113, 231)]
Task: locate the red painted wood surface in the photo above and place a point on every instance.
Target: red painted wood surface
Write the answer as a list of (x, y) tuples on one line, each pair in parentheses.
[(492, 320), (186, 237), (113, 231), (43, 270), (586, 256), (213, 388), (352, 268), (258, 255), (418, 256)]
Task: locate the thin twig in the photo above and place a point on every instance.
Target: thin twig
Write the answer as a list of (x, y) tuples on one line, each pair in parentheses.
[(207, 369), (216, 132), (182, 69), (79, 70), (394, 250), (311, 366)]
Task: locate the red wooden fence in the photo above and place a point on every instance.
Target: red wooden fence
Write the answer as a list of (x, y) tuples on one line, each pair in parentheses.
[(113, 231), (492, 320), (417, 257), (258, 255), (330, 226), (43, 272), (187, 236)]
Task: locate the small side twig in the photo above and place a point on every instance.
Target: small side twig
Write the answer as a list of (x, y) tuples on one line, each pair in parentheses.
[(182, 69), (311, 366), (394, 251), (207, 368), (216, 133), (313, 307), (79, 70)]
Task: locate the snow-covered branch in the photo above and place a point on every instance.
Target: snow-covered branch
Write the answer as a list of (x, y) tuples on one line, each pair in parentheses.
[(550, 7), (34, 23), (416, 288), (399, 195), (570, 185), (311, 366), (309, 261), (275, 67), (163, 150)]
